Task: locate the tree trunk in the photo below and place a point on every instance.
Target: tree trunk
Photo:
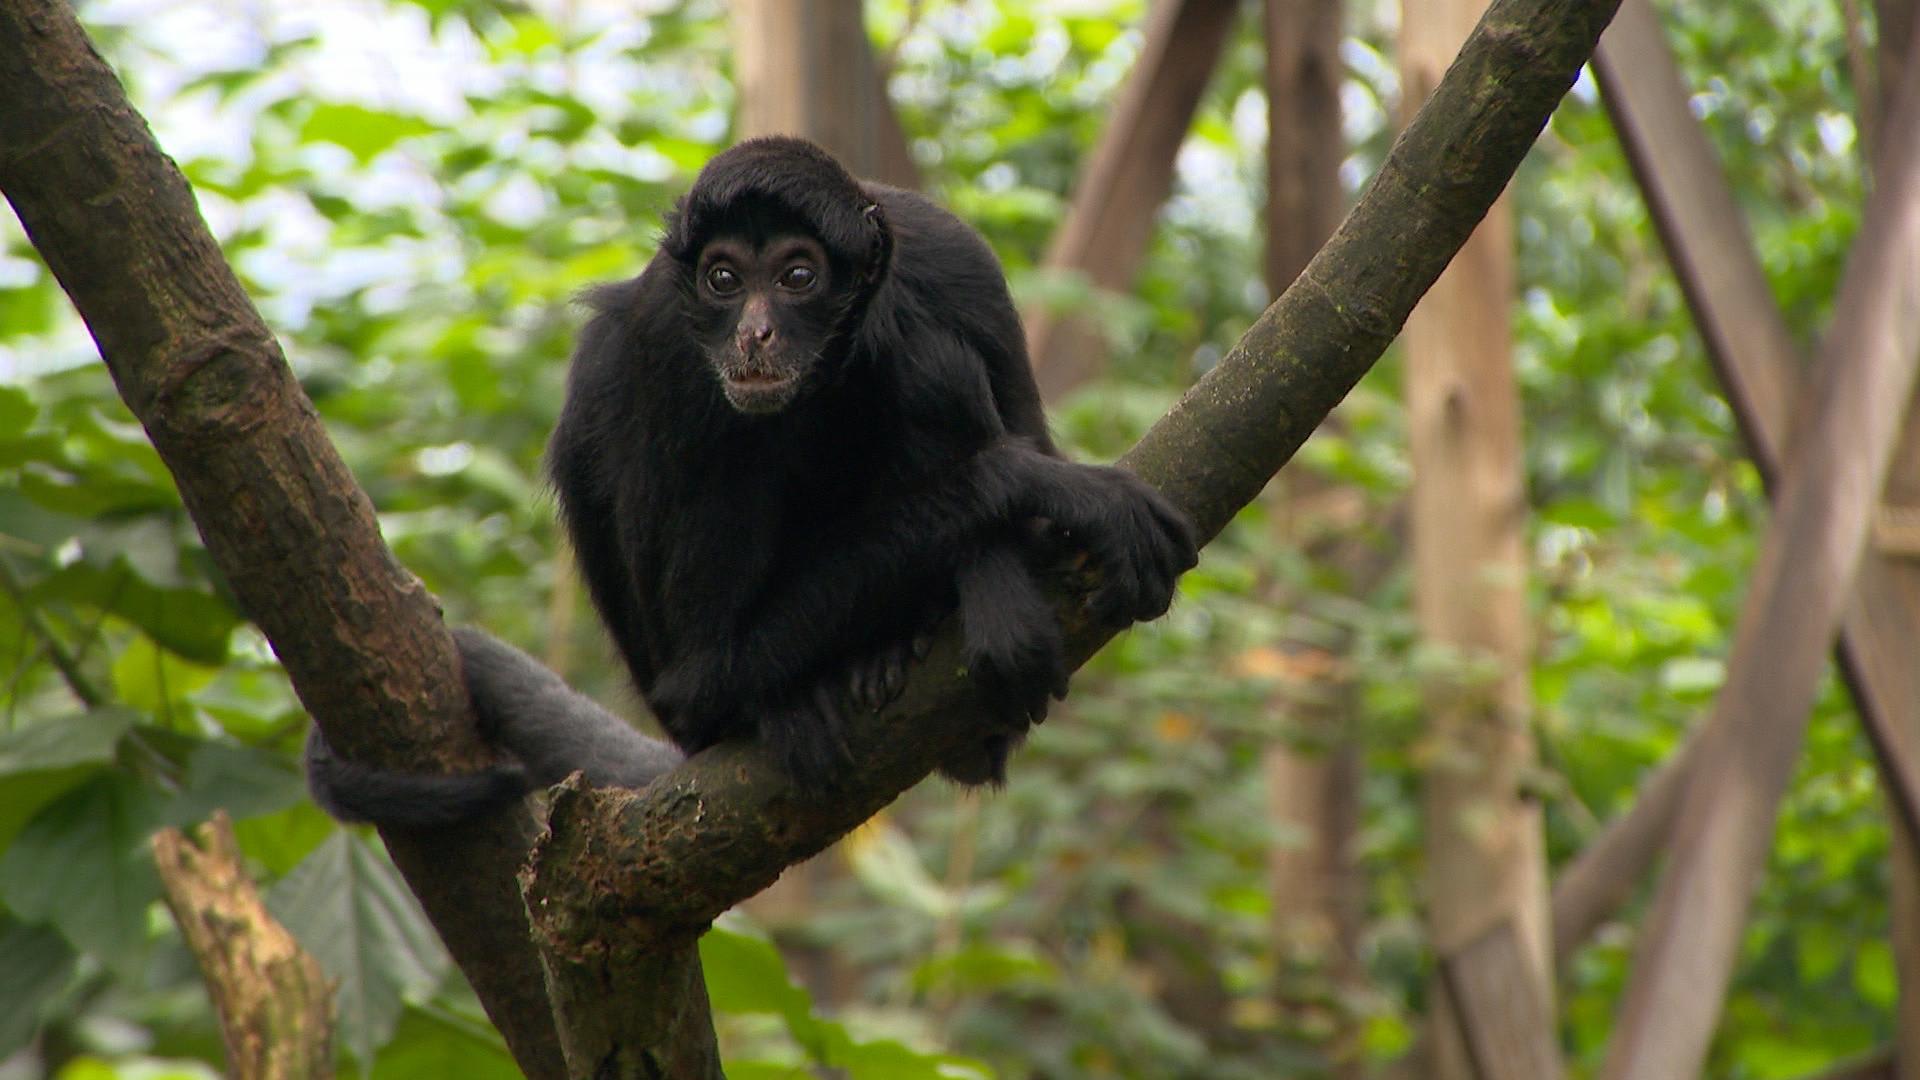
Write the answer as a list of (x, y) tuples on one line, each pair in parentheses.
[(1110, 219), (805, 67), (1314, 793), (1485, 863)]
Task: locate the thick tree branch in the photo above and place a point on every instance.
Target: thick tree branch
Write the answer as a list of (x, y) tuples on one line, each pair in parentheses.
[(621, 876), (280, 514)]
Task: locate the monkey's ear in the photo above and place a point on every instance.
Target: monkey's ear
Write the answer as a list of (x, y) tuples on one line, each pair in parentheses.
[(675, 235), (879, 247)]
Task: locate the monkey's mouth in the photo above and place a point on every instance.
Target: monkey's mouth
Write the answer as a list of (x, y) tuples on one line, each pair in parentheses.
[(759, 390)]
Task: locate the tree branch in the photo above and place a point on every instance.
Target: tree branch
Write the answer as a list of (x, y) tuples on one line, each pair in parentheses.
[(282, 517), (274, 1003)]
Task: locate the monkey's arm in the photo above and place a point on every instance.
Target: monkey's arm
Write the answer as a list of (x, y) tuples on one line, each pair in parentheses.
[(930, 531), (531, 713)]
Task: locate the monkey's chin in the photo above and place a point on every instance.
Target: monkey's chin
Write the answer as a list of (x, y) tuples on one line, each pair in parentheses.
[(760, 395)]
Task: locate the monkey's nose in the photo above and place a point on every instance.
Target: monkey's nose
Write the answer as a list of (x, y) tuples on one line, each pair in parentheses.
[(756, 333)]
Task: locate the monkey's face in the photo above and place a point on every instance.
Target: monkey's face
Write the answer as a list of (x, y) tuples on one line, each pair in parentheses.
[(767, 306)]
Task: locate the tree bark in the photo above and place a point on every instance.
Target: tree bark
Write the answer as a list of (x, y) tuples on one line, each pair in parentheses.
[(1314, 886), (806, 67), (283, 519), (1506, 1031), (1486, 866), (274, 1003)]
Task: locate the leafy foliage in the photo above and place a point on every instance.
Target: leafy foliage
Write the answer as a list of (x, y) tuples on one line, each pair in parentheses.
[(413, 192)]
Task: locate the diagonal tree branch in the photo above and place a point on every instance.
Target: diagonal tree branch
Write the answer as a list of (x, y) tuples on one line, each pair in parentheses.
[(1759, 366), (282, 517)]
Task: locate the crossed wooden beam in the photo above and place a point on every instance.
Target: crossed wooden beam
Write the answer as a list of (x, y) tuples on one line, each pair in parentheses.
[(1837, 566)]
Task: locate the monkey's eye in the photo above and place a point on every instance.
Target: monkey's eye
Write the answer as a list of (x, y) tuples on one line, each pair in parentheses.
[(723, 280), (798, 278)]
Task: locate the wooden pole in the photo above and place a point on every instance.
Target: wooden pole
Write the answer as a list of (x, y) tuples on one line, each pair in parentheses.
[(1485, 861), (1110, 219), (1803, 579)]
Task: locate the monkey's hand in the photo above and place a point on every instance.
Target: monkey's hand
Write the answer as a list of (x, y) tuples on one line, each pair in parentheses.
[(1013, 645), (1142, 542), (875, 680)]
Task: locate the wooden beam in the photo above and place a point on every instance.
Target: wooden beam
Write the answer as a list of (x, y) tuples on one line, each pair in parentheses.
[(1704, 232), (1128, 176), (1712, 253), (1609, 870), (1804, 575), (1304, 142), (805, 67), (1504, 1023), (1314, 886), (1485, 858)]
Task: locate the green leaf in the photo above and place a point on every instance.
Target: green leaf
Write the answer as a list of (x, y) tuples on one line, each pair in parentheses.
[(348, 907), (194, 624), (745, 974), (94, 494), (16, 412), (151, 679), (245, 781), (39, 761), (365, 133), (39, 964), (82, 864), (64, 741), (1875, 975), (436, 1043), (279, 841), (1819, 950)]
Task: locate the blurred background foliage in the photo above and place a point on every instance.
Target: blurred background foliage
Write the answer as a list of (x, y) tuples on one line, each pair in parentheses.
[(414, 190)]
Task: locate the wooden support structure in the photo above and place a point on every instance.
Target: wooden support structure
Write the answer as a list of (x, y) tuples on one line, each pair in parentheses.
[(1713, 255), (1486, 864), (1128, 176), (805, 67), (1610, 869), (1805, 572), (1304, 142), (1508, 1033), (1314, 886)]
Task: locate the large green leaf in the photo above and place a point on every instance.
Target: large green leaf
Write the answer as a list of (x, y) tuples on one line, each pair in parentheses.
[(348, 907), (39, 963), (365, 133), (82, 865), (193, 623), (40, 760), (745, 974), (434, 1042)]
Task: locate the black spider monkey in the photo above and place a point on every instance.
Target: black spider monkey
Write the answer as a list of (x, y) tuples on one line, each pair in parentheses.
[(802, 435)]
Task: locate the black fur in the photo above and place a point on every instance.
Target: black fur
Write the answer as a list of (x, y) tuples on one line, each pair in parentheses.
[(746, 564), (525, 710), (765, 571)]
